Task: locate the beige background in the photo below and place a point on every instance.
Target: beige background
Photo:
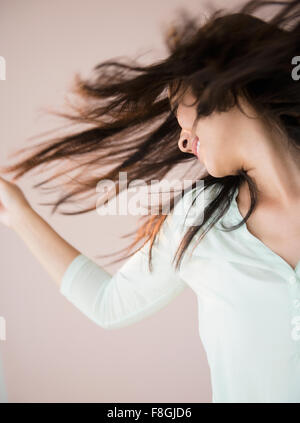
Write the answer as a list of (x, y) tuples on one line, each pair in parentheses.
[(52, 352)]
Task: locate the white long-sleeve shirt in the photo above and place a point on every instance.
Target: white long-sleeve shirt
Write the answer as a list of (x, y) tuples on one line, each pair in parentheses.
[(248, 302)]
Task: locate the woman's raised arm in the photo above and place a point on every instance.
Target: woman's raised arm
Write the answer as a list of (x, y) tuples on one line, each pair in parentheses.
[(111, 301), (51, 250)]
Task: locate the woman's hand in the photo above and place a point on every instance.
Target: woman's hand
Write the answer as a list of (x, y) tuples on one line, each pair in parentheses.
[(12, 202)]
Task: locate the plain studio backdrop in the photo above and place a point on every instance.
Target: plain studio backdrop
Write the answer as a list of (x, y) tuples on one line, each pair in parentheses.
[(52, 352)]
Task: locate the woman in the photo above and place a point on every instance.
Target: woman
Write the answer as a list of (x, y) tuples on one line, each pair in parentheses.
[(235, 109)]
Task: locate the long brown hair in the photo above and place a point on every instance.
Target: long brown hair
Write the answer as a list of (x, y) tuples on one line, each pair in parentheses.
[(133, 129)]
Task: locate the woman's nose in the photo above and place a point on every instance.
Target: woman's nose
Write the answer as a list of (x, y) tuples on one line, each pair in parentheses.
[(185, 144)]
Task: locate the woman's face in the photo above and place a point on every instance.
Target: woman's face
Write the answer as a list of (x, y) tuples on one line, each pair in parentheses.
[(220, 135)]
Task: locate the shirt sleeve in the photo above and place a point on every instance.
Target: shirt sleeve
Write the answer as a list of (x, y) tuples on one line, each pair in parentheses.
[(133, 292)]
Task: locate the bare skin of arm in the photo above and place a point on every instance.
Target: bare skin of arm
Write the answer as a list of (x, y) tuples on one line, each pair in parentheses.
[(50, 249)]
